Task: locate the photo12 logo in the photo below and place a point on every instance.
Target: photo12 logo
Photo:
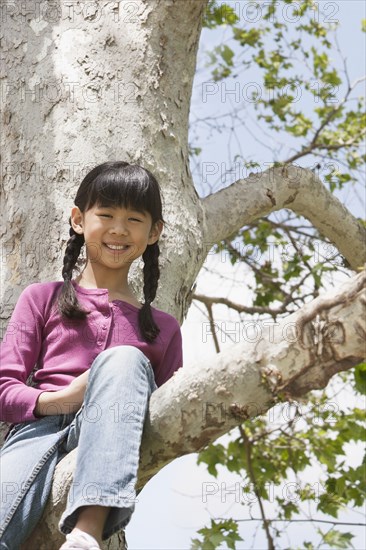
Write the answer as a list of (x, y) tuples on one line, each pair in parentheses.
[(253, 12), (71, 11), (247, 493)]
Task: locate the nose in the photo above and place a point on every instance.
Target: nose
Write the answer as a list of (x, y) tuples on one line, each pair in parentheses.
[(119, 228)]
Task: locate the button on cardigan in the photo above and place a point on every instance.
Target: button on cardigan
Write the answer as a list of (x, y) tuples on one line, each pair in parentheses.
[(60, 349)]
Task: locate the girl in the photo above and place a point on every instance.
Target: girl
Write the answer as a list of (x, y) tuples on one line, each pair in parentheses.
[(99, 354)]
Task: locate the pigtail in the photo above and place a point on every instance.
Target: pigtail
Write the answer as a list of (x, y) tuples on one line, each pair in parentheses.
[(148, 327), (68, 304)]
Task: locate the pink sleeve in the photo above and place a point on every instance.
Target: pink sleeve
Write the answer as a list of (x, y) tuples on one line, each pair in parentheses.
[(19, 353), (172, 360)]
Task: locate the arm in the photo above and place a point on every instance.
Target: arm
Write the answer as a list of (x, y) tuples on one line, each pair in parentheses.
[(19, 353), (172, 359)]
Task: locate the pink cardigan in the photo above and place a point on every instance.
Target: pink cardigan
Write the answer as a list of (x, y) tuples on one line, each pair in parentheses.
[(61, 349)]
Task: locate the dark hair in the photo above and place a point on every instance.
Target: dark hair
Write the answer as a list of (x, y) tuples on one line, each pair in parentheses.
[(123, 185)]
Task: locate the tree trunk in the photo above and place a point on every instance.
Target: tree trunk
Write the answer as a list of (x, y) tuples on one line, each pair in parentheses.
[(83, 85)]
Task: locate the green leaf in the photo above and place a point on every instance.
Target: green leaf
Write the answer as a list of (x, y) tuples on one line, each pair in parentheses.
[(220, 531), (332, 77), (212, 455), (251, 37), (227, 55), (289, 509), (219, 15), (360, 378), (337, 539)]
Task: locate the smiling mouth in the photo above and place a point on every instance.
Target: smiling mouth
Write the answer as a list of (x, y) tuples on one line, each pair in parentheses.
[(115, 247)]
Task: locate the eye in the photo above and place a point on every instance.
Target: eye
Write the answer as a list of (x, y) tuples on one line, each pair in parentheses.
[(135, 219), (104, 215)]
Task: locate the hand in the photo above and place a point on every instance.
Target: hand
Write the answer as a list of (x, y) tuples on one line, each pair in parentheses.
[(64, 401), (75, 392)]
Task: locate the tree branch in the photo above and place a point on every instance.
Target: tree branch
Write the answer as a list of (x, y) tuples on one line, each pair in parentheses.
[(290, 187), (247, 448), (303, 520), (240, 308), (324, 147)]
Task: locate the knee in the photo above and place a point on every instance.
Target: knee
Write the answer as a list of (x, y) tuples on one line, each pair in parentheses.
[(121, 365), (118, 356), (122, 352)]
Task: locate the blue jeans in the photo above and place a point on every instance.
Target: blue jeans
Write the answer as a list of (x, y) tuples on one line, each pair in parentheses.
[(107, 432)]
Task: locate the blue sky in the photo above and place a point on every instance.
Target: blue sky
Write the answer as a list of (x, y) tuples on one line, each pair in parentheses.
[(171, 507)]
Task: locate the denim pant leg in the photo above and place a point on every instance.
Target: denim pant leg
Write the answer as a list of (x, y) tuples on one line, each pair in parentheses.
[(27, 462), (108, 431)]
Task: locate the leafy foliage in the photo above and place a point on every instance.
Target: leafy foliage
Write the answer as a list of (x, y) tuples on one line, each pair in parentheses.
[(360, 378), (219, 532), (334, 539), (304, 99), (293, 56), (271, 454), (283, 258)]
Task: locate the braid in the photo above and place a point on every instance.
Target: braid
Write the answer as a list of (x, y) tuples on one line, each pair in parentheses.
[(67, 302), (148, 327)]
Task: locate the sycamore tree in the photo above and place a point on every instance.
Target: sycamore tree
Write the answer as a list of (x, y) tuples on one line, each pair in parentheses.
[(85, 82), (279, 69)]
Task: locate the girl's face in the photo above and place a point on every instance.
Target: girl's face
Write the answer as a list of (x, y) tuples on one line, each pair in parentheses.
[(115, 236)]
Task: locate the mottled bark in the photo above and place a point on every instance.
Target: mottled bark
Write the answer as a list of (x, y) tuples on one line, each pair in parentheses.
[(86, 82)]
